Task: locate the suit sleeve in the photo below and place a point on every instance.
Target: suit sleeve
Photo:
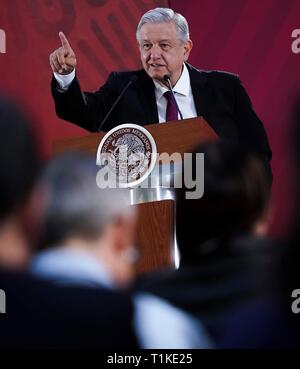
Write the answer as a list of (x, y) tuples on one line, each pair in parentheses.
[(250, 128), (85, 109)]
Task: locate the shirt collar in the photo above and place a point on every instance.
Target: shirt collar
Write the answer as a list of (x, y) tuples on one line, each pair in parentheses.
[(65, 266), (182, 87)]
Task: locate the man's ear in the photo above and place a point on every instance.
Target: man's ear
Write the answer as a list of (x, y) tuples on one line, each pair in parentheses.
[(261, 227), (124, 232), (187, 49)]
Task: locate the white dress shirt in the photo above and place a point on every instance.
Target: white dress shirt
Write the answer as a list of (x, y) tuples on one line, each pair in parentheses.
[(64, 80), (183, 94), (182, 90)]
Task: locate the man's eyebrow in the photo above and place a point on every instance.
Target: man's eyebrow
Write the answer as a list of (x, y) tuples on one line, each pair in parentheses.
[(164, 40)]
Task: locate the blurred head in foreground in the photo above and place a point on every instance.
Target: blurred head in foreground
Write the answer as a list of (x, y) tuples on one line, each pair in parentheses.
[(235, 200), (19, 164), (80, 217), (290, 275)]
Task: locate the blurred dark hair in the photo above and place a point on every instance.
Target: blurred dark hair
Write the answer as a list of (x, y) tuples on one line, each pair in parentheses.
[(19, 159), (289, 273), (236, 192)]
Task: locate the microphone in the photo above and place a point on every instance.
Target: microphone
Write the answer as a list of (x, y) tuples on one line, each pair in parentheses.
[(132, 80), (168, 80)]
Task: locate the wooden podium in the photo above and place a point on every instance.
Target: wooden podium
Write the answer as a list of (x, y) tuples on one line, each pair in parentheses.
[(155, 230)]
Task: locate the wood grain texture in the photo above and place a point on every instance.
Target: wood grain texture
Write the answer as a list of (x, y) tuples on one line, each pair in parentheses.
[(179, 136), (155, 235)]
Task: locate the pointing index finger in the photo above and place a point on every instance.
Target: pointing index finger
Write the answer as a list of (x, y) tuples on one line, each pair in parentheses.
[(64, 41)]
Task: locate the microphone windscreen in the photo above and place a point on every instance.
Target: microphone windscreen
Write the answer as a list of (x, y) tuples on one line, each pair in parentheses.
[(166, 77)]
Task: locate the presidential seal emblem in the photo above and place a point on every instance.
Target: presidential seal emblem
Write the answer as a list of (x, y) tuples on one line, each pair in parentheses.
[(128, 153)]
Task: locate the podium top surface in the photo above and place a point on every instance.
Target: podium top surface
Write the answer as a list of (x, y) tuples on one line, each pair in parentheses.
[(170, 137)]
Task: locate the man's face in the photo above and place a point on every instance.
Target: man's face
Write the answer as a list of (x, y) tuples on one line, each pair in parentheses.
[(162, 52)]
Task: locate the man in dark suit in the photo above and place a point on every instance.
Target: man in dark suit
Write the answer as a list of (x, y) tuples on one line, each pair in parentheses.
[(164, 43)]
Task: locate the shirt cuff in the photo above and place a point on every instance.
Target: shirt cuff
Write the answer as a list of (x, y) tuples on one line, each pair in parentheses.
[(64, 80)]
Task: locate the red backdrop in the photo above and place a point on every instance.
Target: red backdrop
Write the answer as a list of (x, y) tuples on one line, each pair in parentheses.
[(101, 32), (253, 39), (247, 37)]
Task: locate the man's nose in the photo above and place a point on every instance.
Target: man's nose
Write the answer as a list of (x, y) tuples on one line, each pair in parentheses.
[(155, 52)]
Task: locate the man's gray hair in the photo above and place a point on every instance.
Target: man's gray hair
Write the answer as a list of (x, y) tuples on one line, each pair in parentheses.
[(75, 206), (165, 15)]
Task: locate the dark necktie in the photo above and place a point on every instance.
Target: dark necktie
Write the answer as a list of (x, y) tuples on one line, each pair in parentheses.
[(171, 113)]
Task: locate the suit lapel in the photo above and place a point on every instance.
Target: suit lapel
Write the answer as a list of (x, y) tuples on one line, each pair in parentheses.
[(199, 89), (147, 98)]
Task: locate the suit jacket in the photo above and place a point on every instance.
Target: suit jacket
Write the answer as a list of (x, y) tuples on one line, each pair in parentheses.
[(219, 97), (41, 315)]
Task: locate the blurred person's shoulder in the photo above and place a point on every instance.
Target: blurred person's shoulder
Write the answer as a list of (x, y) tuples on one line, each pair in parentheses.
[(52, 316)]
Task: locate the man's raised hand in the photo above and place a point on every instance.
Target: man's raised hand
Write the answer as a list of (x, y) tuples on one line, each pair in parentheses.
[(63, 59)]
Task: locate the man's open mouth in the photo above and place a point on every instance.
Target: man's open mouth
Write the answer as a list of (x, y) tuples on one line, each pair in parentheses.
[(154, 65)]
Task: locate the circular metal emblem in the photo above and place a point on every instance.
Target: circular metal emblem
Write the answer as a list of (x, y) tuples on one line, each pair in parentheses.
[(129, 153)]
